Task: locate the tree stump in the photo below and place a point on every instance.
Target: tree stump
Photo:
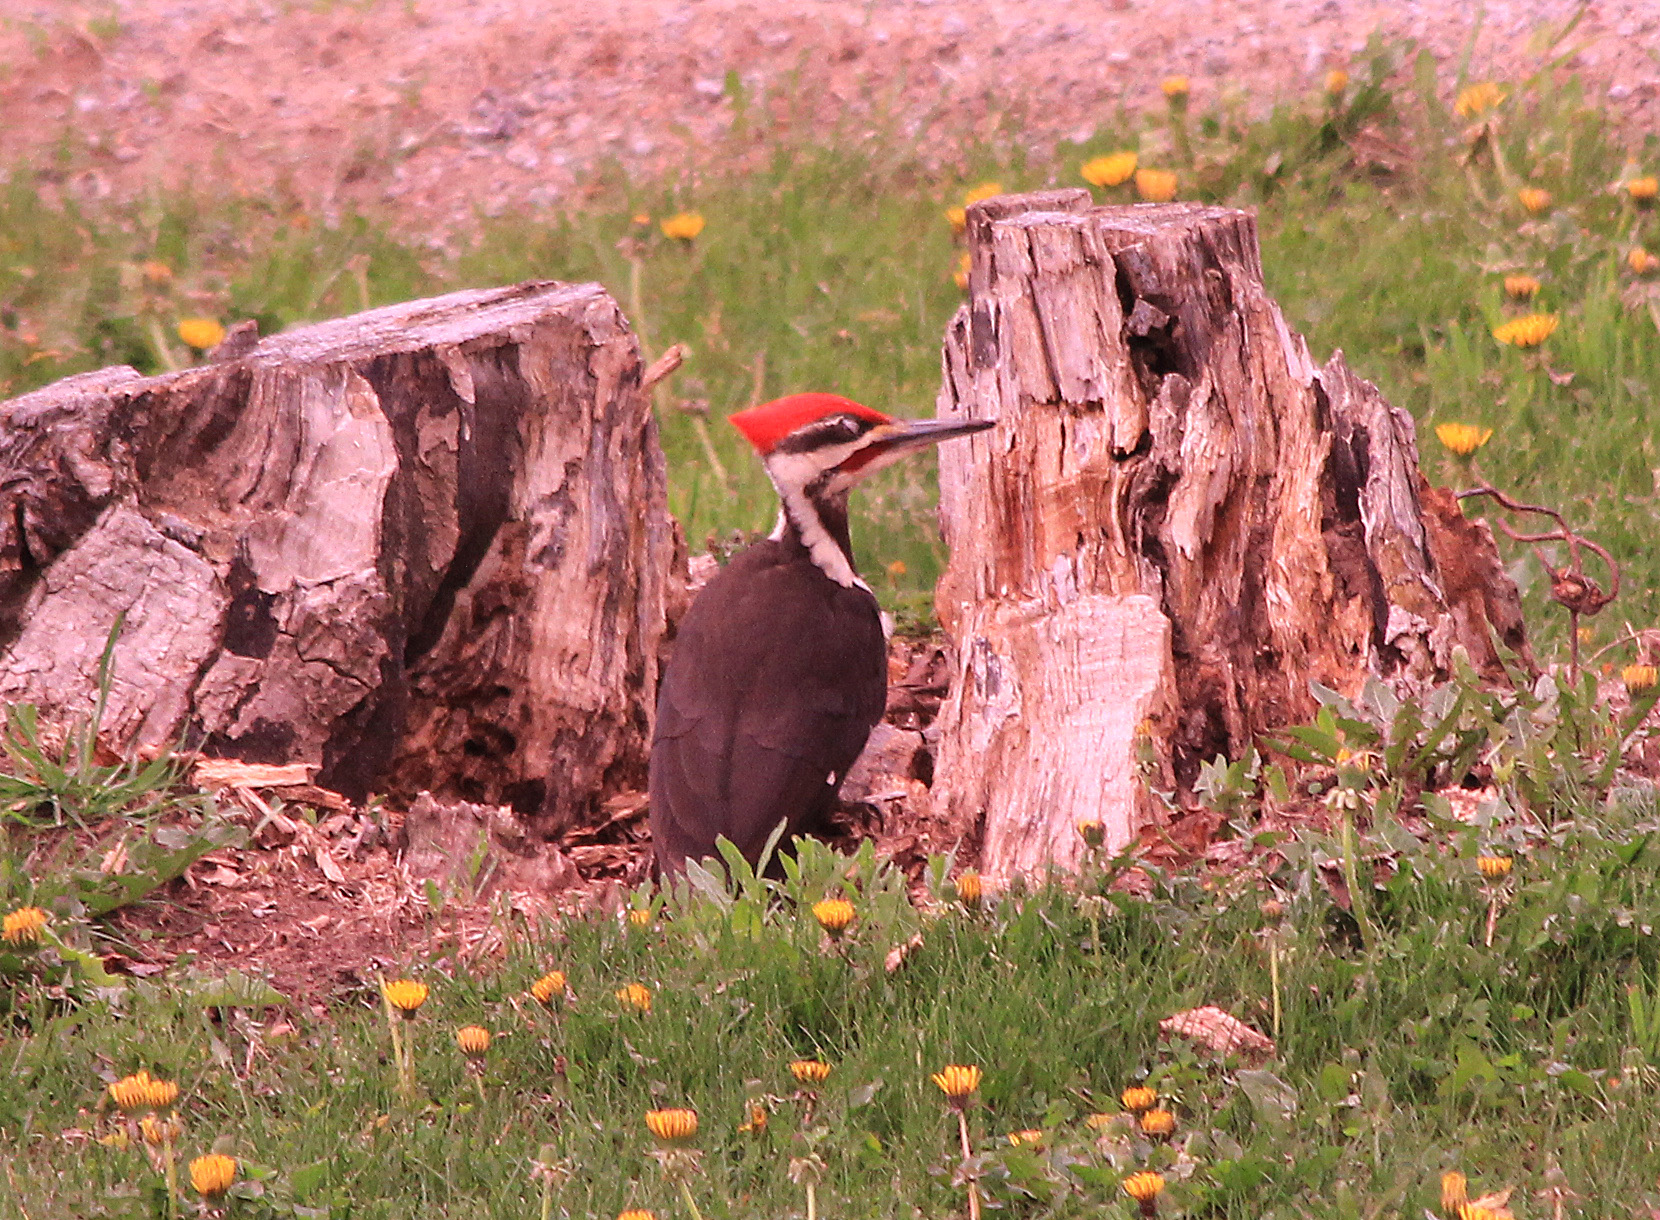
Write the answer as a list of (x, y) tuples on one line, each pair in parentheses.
[(425, 547), (1178, 523)]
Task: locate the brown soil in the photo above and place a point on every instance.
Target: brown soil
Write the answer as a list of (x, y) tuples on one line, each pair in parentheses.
[(431, 111)]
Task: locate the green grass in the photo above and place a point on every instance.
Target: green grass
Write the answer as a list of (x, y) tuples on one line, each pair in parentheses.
[(1507, 1029), (1522, 1064), (826, 264)]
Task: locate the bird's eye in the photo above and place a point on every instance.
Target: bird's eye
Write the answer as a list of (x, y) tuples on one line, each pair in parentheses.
[(831, 430)]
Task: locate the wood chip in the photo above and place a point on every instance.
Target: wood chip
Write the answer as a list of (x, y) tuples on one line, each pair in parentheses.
[(231, 772), (899, 953), (1223, 1033)]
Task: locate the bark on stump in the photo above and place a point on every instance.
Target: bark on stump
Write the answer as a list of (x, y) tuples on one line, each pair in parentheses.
[(425, 547), (1178, 523)]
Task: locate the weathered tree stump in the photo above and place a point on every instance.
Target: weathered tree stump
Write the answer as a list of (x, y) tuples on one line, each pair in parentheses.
[(425, 547), (1177, 524)]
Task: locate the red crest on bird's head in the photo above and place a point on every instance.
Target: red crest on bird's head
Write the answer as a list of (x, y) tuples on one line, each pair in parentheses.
[(764, 426)]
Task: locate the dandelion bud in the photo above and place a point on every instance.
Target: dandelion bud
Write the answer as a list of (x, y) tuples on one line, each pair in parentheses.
[(1138, 1097), (23, 926), (810, 1071), (406, 995), (672, 1126), (833, 915), (212, 1175), (547, 989)]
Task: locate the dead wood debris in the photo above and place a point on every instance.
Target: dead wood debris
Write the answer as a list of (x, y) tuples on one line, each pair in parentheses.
[(1219, 1031)]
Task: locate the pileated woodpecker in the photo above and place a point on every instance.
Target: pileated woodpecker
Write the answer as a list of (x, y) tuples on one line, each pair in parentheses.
[(779, 671)]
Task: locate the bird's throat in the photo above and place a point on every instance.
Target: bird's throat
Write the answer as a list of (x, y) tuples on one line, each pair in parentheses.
[(818, 524)]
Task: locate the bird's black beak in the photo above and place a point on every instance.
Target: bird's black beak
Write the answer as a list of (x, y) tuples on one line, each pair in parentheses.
[(904, 435), (886, 443)]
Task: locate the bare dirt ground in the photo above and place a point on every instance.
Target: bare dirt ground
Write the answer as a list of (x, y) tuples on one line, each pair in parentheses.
[(432, 111)]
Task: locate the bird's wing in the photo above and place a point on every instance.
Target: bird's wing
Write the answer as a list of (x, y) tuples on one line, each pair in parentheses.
[(756, 723)]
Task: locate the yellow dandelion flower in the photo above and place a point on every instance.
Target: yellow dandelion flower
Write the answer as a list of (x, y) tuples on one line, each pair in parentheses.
[(1138, 1097), (810, 1071), (1534, 199), (474, 1040), (1529, 331), (1641, 261), (406, 995), (1643, 190), (639, 917), (636, 996), (1143, 1187), (957, 218), (959, 275), (1095, 1122), (156, 273), (682, 226), (1092, 832), (984, 190), (1108, 170), (641, 218), (897, 568), (970, 888), (1495, 868), (23, 926), (548, 989), (213, 1174), (1463, 439), (672, 1126), (1158, 1122), (1337, 80), (1156, 185), (833, 915), (1174, 87), (201, 333), (131, 1093), (1521, 287), (1478, 99), (1475, 1211), (637, 1213), (160, 1094), (1455, 1191), (957, 1080), (1030, 1138), (1639, 678)]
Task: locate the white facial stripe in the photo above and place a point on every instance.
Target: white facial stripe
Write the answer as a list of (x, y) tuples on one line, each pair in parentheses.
[(799, 469), (820, 545), (790, 473)]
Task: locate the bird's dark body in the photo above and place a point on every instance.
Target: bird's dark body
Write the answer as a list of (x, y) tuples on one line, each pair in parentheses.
[(777, 677)]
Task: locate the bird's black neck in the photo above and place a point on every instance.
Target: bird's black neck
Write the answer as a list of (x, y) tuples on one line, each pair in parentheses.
[(830, 512)]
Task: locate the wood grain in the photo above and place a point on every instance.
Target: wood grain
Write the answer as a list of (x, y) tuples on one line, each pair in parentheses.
[(424, 547), (1179, 522)]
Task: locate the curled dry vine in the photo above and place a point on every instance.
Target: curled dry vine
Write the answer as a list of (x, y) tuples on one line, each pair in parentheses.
[(1570, 587)]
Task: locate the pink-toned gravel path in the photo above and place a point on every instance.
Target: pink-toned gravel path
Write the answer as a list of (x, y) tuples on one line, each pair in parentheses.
[(433, 110)]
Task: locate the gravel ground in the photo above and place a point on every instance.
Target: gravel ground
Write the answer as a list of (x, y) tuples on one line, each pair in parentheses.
[(432, 111)]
